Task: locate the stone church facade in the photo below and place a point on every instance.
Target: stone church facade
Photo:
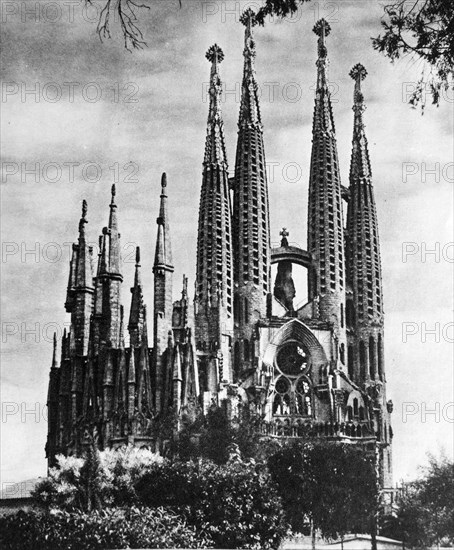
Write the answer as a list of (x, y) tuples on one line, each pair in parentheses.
[(240, 343)]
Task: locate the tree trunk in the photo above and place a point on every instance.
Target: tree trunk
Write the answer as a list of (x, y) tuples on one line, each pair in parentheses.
[(373, 535), (313, 534)]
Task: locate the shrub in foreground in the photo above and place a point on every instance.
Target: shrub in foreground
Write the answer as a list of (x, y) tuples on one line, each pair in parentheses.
[(235, 504), (111, 528)]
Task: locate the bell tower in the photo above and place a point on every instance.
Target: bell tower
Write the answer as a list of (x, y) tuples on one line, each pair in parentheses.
[(214, 278)]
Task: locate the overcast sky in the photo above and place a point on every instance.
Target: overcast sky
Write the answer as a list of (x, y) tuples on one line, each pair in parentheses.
[(127, 117)]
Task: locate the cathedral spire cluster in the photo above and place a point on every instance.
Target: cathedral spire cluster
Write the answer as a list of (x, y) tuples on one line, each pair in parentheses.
[(242, 343)]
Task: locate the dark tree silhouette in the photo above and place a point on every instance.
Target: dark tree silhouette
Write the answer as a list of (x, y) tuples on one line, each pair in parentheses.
[(126, 11), (423, 30)]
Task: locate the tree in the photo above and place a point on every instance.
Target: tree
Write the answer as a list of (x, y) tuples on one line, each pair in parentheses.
[(129, 527), (425, 514), (112, 480), (423, 30), (235, 504), (436, 494), (331, 485)]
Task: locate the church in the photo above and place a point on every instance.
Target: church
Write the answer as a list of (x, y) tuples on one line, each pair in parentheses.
[(239, 342)]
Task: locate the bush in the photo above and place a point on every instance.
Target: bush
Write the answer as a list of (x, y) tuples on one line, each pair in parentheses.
[(68, 485), (235, 504), (111, 528)]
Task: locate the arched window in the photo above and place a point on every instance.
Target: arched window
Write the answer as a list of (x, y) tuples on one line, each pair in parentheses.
[(380, 356), (342, 315), (372, 357), (362, 359), (350, 361), (281, 402), (246, 310), (236, 357), (351, 317), (342, 353), (303, 397), (292, 397), (246, 350), (355, 407), (236, 308)]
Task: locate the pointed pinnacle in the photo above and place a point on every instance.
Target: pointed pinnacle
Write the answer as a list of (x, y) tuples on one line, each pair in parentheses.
[(185, 287), (164, 180), (83, 219), (113, 193), (137, 256), (54, 352)]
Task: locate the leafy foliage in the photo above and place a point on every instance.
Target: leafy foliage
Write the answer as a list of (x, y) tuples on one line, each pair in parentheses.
[(213, 436), (426, 507), (235, 504), (331, 485), (107, 480), (115, 528), (423, 30)]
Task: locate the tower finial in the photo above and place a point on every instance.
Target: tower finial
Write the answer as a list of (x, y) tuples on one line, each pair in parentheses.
[(215, 54), (358, 73), (113, 192), (137, 256), (83, 219), (248, 19), (322, 30), (164, 180)]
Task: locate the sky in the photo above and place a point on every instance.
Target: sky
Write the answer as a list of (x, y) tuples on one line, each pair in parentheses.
[(84, 114)]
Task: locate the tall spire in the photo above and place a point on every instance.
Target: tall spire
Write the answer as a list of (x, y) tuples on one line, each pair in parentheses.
[(54, 352), (251, 234), (84, 273), (326, 279), (360, 162), (214, 278), (323, 115), (363, 252), (163, 255), (114, 238), (250, 109), (111, 276), (135, 325), (215, 152), (163, 281), (82, 290)]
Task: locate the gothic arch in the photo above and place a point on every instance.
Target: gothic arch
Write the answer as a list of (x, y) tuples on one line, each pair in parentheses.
[(296, 330)]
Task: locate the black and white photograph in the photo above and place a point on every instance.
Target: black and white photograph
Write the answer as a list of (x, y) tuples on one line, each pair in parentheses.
[(227, 274)]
